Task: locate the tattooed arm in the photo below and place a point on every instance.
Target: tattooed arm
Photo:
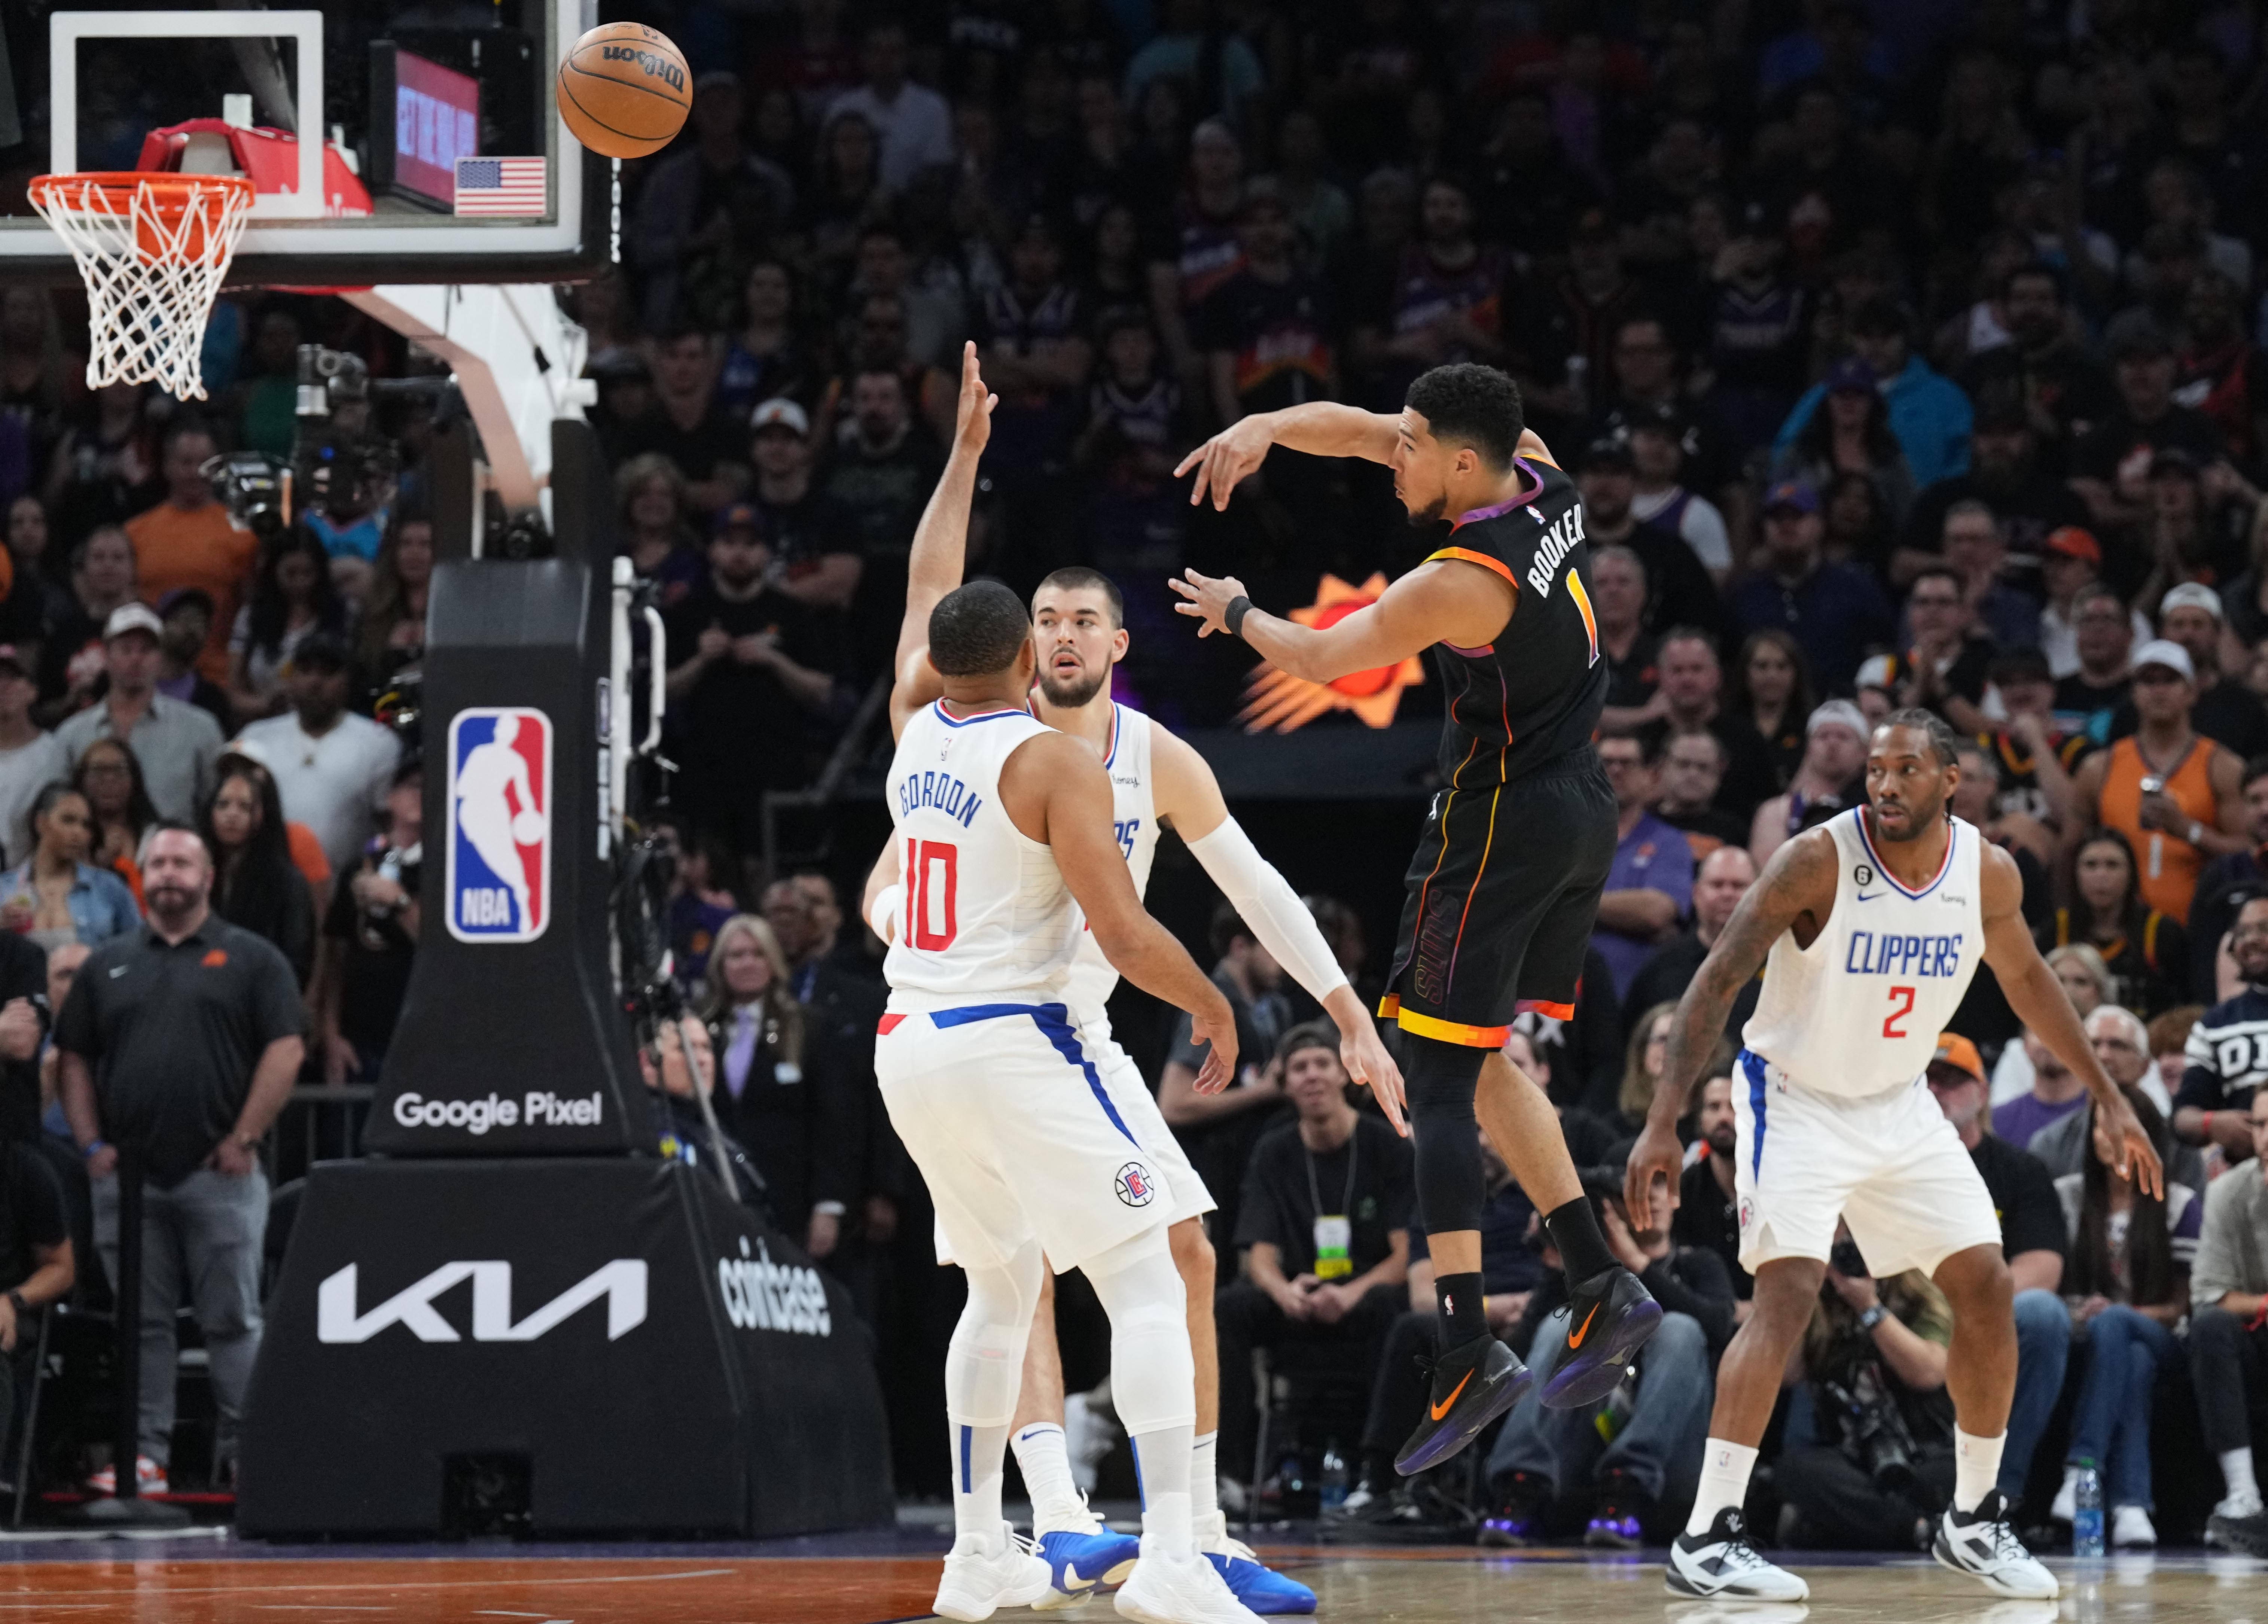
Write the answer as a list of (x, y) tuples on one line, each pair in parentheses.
[(1796, 891)]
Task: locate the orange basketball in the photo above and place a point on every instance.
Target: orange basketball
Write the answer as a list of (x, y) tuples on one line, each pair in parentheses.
[(624, 90)]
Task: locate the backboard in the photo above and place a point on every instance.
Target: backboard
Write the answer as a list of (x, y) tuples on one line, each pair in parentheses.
[(444, 158)]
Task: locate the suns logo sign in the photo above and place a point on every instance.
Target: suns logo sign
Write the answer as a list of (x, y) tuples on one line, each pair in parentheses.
[(500, 833), (1277, 699)]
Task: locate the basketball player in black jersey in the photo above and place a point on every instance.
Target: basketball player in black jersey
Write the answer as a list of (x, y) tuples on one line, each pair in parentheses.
[(1505, 888)]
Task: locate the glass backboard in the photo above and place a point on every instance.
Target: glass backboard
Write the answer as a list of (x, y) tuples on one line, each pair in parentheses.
[(444, 159)]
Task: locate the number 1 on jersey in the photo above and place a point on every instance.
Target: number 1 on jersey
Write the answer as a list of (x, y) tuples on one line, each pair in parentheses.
[(1890, 1027), (931, 909)]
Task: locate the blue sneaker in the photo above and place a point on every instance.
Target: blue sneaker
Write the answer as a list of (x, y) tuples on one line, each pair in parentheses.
[(1260, 1588), (1078, 1559)]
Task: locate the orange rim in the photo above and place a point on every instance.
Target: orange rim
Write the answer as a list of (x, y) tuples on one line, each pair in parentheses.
[(169, 192)]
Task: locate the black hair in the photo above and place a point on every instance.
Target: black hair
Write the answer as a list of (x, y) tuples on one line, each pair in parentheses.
[(257, 889), (1078, 578), (1308, 1034), (269, 614), (141, 811), (976, 628), (1228, 929), (1686, 632), (185, 423), (2130, 914), (1475, 405), (1879, 316), (44, 802), (1945, 745), (1652, 739), (2035, 267), (2149, 1242)]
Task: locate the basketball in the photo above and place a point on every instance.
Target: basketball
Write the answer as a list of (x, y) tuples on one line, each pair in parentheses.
[(624, 90), (527, 828)]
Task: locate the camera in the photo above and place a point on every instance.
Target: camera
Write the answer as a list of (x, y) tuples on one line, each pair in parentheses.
[(1845, 1260), (338, 460), (1875, 1434)]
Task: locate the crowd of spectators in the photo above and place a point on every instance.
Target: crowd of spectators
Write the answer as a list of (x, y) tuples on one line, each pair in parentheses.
[(1903, 356)]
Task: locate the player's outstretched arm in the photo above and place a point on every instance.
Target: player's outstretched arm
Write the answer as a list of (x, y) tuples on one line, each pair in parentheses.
[(1059, 777), (1188, 799), (1444, 601), (940, 547), (1324, 428), (1799, 879), (2041, 1004)]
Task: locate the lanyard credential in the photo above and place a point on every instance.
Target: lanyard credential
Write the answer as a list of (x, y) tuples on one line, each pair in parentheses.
[(1334, 1231)]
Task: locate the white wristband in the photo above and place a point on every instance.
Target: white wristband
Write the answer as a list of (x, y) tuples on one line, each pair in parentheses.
[(883, 919)]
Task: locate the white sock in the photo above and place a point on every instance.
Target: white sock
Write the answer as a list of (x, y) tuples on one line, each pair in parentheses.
[(1725, 1468), (1042, 1457), (1975, 1467), (979, 1460), (2243, 1489), (1163, 1459), (1205, 1497)]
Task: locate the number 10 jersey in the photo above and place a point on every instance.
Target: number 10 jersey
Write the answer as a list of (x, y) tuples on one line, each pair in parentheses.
[(1860, 1009), (986, 915)]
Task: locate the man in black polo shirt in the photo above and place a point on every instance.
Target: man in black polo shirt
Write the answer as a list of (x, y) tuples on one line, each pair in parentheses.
[(180, 1042), (1324, 1224)]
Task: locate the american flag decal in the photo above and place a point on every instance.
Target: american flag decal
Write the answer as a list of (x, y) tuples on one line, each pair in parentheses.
[(501, 185)]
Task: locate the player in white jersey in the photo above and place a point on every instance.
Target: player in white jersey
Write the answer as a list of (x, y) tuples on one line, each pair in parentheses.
[(1157, 780), (1005, 832), (1874, 924)]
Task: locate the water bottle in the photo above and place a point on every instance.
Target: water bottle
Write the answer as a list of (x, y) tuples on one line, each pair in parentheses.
[(1335, 1478), (2087, 1512)]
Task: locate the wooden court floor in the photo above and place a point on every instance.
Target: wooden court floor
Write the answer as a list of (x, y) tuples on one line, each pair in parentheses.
[(1428, 1586)]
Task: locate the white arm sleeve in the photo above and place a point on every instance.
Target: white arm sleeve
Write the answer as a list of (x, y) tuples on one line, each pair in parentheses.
[(1269, 905)]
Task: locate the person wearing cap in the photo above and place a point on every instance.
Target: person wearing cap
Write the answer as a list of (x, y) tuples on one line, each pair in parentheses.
[(2175, 796), (1928, 414), (809, 537), (188, 540), (1679, 588), (1834, 759), (1659, 441), (1650, 888), (1850, 433), (187, 614), (2032, 757), (1835, 611), (30, 758), (2225, 711), (2112, 466), (2071, 563), (175, 742), (2031, 1239), (331, 767)]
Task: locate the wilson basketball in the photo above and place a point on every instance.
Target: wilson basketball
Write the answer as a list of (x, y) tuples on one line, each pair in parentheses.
[(624, 90)]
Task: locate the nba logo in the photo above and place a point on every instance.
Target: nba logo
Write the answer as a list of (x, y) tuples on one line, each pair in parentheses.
[(499, 863)]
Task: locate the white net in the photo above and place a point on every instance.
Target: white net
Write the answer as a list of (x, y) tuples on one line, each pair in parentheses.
[(152, 249)]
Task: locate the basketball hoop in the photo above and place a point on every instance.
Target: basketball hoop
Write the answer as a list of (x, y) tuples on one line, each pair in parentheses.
[(154, 247)]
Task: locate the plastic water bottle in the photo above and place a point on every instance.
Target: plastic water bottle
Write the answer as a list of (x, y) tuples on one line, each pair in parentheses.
[(1335, 1478), (2087, 1512)]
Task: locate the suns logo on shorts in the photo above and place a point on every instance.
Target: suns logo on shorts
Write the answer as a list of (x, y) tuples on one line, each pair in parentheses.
[(1136, 1186)]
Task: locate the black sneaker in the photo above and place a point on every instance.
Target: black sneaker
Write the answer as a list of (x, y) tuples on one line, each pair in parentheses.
[(1473, 1383), (1610, 1317)]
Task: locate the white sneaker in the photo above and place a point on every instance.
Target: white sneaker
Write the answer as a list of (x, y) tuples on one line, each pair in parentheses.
[(1179, 1590), (1088, 1438), (2065, 1508), (149, 1479), (1722, 1562), (1982, 1544), (2131, 1529), (978, 1582)]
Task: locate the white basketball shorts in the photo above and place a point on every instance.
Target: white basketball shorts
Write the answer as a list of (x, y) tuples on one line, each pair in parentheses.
[(1888, 1165), (1006, 1114)]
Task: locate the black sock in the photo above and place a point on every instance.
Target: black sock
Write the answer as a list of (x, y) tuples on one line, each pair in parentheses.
[(1464, 1313), (1574, 1230)]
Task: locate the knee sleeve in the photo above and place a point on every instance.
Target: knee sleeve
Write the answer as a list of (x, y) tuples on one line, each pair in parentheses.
[(984, 1361), (1440, 1078), (1153, 1375)]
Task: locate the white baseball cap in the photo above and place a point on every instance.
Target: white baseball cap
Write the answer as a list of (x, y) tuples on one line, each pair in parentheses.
[(2156, 652), (779, 412), (2191, 595), (132, 617), (1835, 711)]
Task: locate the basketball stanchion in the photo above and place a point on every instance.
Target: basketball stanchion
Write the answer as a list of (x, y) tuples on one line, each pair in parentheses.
[(126, 1508)]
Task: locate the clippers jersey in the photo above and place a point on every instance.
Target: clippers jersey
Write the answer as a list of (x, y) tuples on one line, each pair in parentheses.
[(1859, 1010), (1134, 818), (987, 916), (1536, 693)]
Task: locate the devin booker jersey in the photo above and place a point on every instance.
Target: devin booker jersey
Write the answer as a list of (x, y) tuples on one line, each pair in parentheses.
[(1860, 1009), (1535, 693), (986, 915), (1134, 819)]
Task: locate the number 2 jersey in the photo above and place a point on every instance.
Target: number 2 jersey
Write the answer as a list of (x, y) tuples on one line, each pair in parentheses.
[(986, 915), (1534, 694), (1859, 1010)]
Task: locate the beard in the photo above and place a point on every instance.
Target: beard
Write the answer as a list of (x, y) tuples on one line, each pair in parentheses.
[(172, 899), (1071, 695), (1919, 821), (1432, 514)]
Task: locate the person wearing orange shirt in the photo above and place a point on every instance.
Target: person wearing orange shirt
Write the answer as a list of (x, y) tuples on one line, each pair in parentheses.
[(188, 540), (2175, 795)]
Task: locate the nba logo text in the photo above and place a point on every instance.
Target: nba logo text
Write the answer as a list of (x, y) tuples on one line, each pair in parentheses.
[(500, 833)]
